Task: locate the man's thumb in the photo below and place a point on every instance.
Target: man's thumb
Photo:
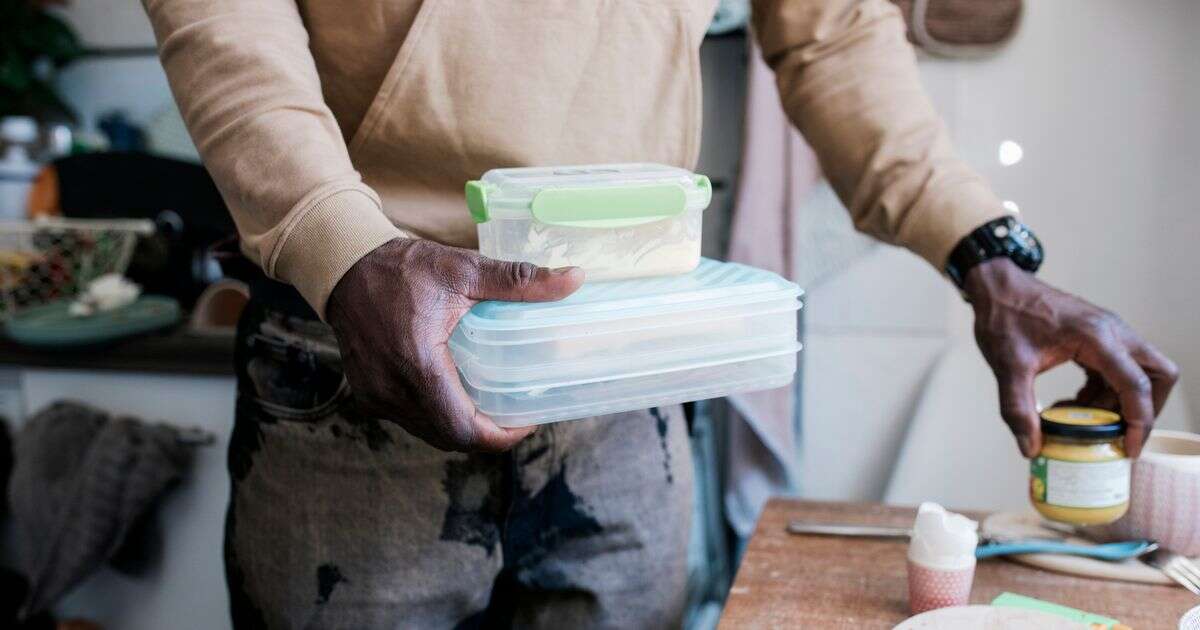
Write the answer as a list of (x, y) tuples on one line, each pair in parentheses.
[(522, 281)]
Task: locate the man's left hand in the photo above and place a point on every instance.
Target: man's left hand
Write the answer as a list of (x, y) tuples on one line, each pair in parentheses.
[(1025, 327)]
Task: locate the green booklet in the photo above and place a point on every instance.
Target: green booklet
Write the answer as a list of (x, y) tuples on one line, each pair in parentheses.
[(1012, 600)]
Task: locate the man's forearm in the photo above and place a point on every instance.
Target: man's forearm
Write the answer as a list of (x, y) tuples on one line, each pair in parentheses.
[(848, 79)]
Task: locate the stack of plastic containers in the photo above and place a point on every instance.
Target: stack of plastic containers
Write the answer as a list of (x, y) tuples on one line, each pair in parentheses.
[(696, 329)]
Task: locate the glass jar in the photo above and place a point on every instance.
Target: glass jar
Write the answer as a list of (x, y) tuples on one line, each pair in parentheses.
[(1081, 475)]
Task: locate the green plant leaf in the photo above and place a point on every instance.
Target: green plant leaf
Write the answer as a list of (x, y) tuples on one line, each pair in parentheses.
[(29, 34), (39, 101), (15, 72), (13, 14), (50, 36), (45, 104)]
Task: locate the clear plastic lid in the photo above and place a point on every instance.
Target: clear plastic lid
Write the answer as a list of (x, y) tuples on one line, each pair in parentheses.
[(640, 302), (567, 195)]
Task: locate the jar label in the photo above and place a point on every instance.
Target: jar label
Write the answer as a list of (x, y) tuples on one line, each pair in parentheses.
[(1080, 484)]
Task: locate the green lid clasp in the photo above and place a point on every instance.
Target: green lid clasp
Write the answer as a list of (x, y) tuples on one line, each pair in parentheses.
[(706, 187), (477, 200), (617, 206)]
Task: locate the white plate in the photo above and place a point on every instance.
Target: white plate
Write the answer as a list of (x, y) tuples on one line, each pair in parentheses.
[(987, 618), (1190, 620)]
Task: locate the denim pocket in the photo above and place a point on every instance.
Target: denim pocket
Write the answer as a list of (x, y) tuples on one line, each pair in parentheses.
[(322, 409), (291, 377)]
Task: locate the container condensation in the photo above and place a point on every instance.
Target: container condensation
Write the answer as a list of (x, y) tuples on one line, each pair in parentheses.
[(618, 346), (613, 220)]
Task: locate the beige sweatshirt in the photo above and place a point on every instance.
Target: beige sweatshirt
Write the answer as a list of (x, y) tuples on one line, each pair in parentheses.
[(332, 127)]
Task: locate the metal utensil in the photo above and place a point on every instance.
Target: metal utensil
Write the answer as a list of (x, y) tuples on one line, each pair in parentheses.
[(989, 547), (1176, 566), (856, 531)]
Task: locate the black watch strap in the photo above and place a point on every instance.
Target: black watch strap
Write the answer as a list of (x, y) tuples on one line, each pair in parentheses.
[(1005, 237)]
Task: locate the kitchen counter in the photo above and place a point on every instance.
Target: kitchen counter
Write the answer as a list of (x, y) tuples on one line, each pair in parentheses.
[(789, 581), (175, 350)]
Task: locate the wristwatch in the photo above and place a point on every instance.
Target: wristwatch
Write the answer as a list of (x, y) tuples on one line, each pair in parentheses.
[(1005, 236)]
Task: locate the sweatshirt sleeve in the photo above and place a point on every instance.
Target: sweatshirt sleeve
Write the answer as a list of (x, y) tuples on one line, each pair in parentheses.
[(246, 84), (848, 80)]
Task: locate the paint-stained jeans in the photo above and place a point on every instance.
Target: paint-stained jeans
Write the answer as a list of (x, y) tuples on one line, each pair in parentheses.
[(342, 521)]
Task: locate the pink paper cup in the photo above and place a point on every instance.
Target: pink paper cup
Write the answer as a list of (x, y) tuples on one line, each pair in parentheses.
[(930, 588)]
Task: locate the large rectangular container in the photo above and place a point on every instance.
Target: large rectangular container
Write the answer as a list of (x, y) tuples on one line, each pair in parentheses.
[(623, 345), (613, 220)]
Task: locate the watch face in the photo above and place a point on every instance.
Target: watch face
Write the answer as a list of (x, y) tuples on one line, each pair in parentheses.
[(1023, 236), (1025, 250)]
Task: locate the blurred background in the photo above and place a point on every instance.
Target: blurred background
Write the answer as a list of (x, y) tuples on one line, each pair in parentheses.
[(1082, 118)]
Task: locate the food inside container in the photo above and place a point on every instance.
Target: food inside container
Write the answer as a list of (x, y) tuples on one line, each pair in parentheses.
[(613, 220), (1082, 475)]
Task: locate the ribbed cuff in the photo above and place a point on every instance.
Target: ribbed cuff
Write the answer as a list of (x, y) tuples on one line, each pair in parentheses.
[(326, 240), (950, 214)]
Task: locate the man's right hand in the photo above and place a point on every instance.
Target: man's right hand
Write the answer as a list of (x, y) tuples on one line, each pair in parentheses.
[(393, 313)]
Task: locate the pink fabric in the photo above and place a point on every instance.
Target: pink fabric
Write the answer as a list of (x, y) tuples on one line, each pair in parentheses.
[(778, 172)]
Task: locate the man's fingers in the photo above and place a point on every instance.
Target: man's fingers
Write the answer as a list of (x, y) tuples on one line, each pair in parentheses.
[(1095, 393), (493, 438), (461, 426), (1133, 387), (1162, 371), (1019, 407), (521, 282)]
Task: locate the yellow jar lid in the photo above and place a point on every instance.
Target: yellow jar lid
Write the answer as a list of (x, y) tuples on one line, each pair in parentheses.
[(1082, 422)]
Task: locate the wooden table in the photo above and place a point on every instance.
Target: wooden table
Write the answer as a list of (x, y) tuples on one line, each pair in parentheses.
[(789, 581)]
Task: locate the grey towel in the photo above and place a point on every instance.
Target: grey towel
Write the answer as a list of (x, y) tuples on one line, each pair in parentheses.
[(81, 481)]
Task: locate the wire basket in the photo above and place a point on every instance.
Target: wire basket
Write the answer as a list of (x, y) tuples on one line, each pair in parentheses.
[(50, 259)]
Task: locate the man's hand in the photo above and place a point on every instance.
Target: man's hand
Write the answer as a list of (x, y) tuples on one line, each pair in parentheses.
[(1025, 327), (393, 313)]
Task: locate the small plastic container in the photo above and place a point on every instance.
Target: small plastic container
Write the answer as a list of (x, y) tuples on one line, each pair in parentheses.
[(631, 344), (613, 220)]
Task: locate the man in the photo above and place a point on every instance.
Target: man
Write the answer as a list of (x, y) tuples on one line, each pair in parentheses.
[(368, 492)]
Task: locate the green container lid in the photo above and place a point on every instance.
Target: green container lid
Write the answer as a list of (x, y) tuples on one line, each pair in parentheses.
[(599, 196)]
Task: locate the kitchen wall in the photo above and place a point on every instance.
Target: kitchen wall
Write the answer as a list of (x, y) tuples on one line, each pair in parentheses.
[(123, 73), (1101, 95), (126, 75)]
